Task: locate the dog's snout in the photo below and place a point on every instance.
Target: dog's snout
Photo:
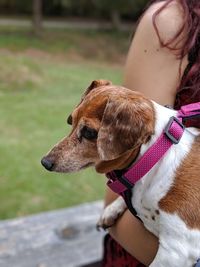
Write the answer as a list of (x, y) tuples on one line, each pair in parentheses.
[(47, 163)]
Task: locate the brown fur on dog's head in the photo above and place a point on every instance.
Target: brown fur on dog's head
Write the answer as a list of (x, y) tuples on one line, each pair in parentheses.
[(108, 127)]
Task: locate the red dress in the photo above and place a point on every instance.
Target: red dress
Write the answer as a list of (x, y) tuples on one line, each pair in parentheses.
[(117, 256)]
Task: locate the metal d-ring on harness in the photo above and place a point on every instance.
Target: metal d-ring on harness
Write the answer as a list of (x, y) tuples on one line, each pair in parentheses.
[(122, 182)]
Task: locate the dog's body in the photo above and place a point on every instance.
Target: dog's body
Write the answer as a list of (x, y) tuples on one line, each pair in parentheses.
[(114, 126)]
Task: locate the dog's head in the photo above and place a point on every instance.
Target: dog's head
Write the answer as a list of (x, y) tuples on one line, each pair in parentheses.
[(108, 127)]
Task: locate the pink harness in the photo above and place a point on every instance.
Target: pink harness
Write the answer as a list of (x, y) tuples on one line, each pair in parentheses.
[(120, 181)]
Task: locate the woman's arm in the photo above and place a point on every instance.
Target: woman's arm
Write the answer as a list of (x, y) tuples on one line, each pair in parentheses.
[(154, 71), (131, 234), (150, 68)]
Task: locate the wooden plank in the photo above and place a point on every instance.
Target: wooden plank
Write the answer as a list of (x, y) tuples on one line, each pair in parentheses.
[(61, 238)]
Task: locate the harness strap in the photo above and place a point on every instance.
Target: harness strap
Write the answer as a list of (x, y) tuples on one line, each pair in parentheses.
[(127, 195), (189, 111), (115, 184)]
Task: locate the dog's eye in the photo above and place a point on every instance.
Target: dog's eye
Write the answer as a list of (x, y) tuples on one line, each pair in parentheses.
[(89, 133), (69, 120)]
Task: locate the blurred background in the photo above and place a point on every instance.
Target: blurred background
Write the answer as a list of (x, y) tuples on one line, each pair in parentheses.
[(50, 51)]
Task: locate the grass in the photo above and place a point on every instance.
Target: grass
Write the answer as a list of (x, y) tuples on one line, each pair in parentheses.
[(40, 82), (91, 44)]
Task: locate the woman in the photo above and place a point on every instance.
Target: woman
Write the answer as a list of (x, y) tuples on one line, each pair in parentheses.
[(164, 64)]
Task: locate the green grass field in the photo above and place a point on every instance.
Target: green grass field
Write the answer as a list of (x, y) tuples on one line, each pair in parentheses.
[(40, 82)]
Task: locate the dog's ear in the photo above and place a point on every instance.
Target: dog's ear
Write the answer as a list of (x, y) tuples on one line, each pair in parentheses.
[(126, 124), (95, 84)]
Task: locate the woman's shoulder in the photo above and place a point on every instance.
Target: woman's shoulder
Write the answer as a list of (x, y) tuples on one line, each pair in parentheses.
[(170, 12), (166, 18)]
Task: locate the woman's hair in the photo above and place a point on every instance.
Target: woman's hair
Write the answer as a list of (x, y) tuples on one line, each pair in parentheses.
[(191, 45)]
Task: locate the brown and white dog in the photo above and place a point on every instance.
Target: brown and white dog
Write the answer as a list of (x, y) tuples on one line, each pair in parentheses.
[(113, 127)]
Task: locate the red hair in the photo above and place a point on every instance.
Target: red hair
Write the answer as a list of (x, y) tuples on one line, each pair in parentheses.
[(191, 47)]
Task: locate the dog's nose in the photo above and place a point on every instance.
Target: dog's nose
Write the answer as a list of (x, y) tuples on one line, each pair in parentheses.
[(47, 163)]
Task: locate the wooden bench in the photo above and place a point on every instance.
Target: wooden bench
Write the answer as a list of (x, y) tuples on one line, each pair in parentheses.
[(61, 238)]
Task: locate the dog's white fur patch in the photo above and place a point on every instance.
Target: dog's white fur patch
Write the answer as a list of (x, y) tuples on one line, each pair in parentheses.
[(178, 245)]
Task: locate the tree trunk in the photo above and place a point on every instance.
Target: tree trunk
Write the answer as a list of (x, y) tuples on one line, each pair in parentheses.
[(116, 19), (37, 16)]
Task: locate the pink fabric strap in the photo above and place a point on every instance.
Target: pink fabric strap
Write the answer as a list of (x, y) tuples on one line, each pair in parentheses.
[(114, 184), (188, 111)]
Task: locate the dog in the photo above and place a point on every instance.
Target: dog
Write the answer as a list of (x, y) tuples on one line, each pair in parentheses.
[(112, 127)]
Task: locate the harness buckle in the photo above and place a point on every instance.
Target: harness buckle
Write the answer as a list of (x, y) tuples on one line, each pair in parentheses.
[(168, 127)]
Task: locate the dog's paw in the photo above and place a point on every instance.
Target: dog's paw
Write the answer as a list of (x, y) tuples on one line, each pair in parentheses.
[(108, 218), (111, 213)]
